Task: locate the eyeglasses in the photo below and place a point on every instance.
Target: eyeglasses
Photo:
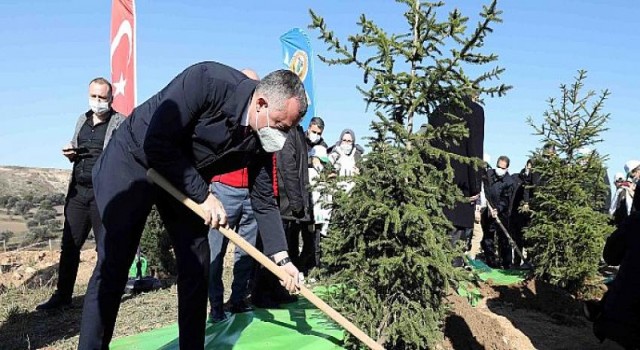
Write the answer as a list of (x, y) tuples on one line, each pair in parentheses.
[(347, 141)]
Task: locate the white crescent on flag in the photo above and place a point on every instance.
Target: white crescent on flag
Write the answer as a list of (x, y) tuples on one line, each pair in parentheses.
[(125, 29), (123, 56)]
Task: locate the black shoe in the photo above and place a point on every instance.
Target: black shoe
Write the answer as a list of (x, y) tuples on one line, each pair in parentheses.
[(240, 307), (56, 301), (217, 315)]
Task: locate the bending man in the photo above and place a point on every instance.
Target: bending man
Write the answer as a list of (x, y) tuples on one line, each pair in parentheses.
[(211, 119)]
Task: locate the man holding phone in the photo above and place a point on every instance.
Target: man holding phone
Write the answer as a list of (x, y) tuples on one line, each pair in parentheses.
[(93, 131)]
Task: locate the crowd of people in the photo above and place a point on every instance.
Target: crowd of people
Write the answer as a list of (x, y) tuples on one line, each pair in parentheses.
[(504, 201), (231, 142)]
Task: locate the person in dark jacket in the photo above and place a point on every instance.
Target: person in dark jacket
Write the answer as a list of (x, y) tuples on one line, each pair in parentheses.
[(618, 317), (93, 131), (519, 215), (210, 119), (294, 194), (466, 177), (499, 192)]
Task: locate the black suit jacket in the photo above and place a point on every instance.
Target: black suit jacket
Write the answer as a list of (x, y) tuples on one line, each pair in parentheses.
[(191, 130), (466, 177), (293, 177)]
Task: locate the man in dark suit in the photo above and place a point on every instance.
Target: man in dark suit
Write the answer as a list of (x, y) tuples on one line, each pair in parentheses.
[(209, 120), (293, 193), (466, 177), (617, 315)]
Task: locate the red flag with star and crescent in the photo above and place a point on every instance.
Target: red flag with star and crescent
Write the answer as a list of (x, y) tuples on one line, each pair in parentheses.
[(123, 55)]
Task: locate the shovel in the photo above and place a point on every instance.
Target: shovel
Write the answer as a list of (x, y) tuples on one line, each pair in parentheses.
[(266, 262)]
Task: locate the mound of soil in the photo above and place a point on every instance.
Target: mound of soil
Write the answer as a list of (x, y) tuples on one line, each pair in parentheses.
[(530, 315)]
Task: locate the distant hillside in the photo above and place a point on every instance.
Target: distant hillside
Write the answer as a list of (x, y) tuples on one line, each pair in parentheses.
[(16, 180)]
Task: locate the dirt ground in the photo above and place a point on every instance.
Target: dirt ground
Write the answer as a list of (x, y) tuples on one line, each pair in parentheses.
[(531, 315), (34, 269)]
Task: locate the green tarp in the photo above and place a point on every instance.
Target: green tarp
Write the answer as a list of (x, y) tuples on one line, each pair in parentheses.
[(498, 277), (299, 326), (133, 270), (495, 276)]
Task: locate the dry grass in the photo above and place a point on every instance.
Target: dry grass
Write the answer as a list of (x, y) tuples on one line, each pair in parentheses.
[(21, 327), (14, 224)]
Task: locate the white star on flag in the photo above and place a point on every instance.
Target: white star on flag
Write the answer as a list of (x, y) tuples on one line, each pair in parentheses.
[(119, 86)]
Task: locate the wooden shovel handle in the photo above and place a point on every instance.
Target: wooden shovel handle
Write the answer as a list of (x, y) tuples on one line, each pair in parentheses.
[(264, 261)]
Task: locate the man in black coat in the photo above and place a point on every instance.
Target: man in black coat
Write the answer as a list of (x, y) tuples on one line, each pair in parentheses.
[(293, 192), (499, 187), (619, 315), (519, 214), (209, 120), (466, 177)]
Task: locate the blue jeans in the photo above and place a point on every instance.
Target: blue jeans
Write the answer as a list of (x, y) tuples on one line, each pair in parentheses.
[(237, 205)]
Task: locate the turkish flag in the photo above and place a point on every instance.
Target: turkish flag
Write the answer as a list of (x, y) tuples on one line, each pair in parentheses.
[(123, 55)]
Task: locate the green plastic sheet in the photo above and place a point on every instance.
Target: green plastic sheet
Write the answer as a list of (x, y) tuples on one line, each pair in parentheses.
[(497, 276), (299, 325), (133, 270), (485, 273)]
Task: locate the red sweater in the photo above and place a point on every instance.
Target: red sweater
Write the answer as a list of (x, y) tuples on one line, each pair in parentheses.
[(237, 178)]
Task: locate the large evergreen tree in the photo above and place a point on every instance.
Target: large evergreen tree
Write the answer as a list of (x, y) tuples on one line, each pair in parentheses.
[(569, 225), (387, 248)]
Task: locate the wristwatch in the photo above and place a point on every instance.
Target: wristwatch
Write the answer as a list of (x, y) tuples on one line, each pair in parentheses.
[(284, 261)]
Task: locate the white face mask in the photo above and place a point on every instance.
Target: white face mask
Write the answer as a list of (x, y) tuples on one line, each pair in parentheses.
[(501, 172), (346, 148), (272, 140), (98, 107), (313, 137)]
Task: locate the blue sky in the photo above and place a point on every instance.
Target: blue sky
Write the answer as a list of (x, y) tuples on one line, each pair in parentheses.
[(51, 49)]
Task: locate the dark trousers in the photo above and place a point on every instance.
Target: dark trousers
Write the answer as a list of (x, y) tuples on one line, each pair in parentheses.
[(80, 216), (311, 256), (459, 233), (304, 259), (489, 245), (125, 197)]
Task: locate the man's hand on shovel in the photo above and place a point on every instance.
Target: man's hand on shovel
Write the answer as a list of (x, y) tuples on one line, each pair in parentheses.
[(214, 214), (292, 283)]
